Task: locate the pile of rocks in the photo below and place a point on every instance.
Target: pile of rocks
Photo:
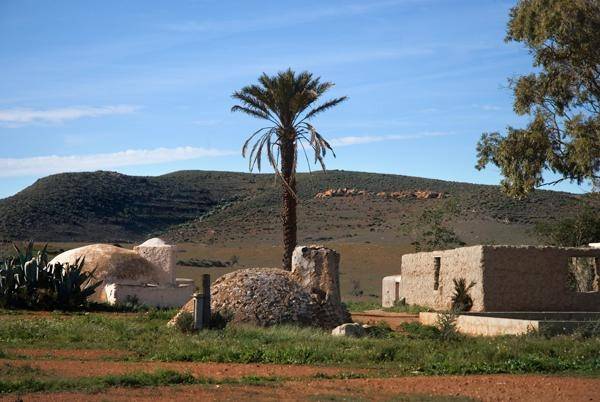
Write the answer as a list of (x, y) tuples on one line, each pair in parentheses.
[(308, 295), (261, 296), (341, 192), (418, 194), (352, 192)]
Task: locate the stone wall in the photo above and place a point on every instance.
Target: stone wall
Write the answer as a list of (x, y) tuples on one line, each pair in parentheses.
[(417, 285), (508, 278), (527, 278)]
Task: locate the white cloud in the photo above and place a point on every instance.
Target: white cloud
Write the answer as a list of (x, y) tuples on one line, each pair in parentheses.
[(368, 139), (22, 116), (44, 165)]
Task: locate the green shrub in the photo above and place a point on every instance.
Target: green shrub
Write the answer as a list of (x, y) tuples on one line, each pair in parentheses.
[(446, 324), (185, 322)]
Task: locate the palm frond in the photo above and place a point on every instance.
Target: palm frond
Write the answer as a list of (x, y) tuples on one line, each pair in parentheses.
[(325, 106)]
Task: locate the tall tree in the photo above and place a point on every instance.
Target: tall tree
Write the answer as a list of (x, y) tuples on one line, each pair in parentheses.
[(562, 96), (288, 102)]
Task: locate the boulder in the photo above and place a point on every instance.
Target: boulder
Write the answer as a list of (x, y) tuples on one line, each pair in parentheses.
[(350, 329)]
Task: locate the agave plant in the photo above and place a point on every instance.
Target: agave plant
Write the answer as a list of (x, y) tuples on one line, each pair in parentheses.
[(9, 282), (28, 281), (461, 299), (69, 285)]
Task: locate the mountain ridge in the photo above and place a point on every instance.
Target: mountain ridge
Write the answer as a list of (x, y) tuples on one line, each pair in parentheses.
[(188, 205)]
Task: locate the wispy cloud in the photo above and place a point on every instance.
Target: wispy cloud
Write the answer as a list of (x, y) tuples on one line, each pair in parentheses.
[(368, 139), (44, 165), (23, 116), (489, 108), (295, 17)]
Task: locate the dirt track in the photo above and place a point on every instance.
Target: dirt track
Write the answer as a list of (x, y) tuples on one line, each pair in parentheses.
[(299, 382), (486, 388)]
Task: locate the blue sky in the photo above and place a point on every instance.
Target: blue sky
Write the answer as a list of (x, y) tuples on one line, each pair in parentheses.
[(144, 87)]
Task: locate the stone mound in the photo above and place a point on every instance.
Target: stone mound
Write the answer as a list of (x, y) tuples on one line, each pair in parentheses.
[(112, 264), (264, 297), (261, 296)]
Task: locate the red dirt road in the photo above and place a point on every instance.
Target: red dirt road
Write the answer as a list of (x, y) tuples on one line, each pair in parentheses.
[(297, 382), (486, 388)]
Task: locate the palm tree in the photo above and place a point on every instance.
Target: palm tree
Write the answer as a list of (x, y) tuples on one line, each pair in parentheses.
[(287, 102)]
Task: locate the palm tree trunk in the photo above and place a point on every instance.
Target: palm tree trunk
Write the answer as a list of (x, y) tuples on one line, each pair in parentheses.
[(288, 211)]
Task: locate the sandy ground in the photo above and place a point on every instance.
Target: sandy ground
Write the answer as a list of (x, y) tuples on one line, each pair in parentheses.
[(301, 382)]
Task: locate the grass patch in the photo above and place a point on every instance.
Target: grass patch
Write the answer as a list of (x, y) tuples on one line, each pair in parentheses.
[(134, 380), (419, 350), (360, 306)]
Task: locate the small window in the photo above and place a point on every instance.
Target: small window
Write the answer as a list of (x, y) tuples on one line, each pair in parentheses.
[(437, 262), (583, 274)]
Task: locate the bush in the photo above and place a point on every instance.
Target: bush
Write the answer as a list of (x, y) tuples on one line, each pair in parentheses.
[(446, 324), (185, 322)]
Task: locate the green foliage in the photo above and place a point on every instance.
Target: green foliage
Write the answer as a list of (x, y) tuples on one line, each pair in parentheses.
[(31, 282), (417, 350), (434, 232), (461, 298), (577, 231), (31, 383), (185, 322), (287, 102), (563, 97), (446, 325)]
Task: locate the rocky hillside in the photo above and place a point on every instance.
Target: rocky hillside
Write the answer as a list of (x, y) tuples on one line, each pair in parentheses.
[(224, 207)]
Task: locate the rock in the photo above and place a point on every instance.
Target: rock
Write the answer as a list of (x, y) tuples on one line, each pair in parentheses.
[(316, 268), (350, 329)]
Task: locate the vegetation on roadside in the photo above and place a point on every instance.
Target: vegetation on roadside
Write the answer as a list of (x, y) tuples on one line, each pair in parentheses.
[(27, 382), (417, 350)]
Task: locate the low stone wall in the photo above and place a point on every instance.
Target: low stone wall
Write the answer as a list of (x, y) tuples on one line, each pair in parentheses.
[(153, 296)]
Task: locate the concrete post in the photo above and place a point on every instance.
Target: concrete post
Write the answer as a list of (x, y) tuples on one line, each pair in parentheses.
[(206, 297), (198, 311)]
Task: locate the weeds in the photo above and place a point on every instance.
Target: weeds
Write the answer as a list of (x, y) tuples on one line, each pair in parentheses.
[(137, 379), (417, 349)]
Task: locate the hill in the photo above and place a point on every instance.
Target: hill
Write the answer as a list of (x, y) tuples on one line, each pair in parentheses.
[(226, 207)]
